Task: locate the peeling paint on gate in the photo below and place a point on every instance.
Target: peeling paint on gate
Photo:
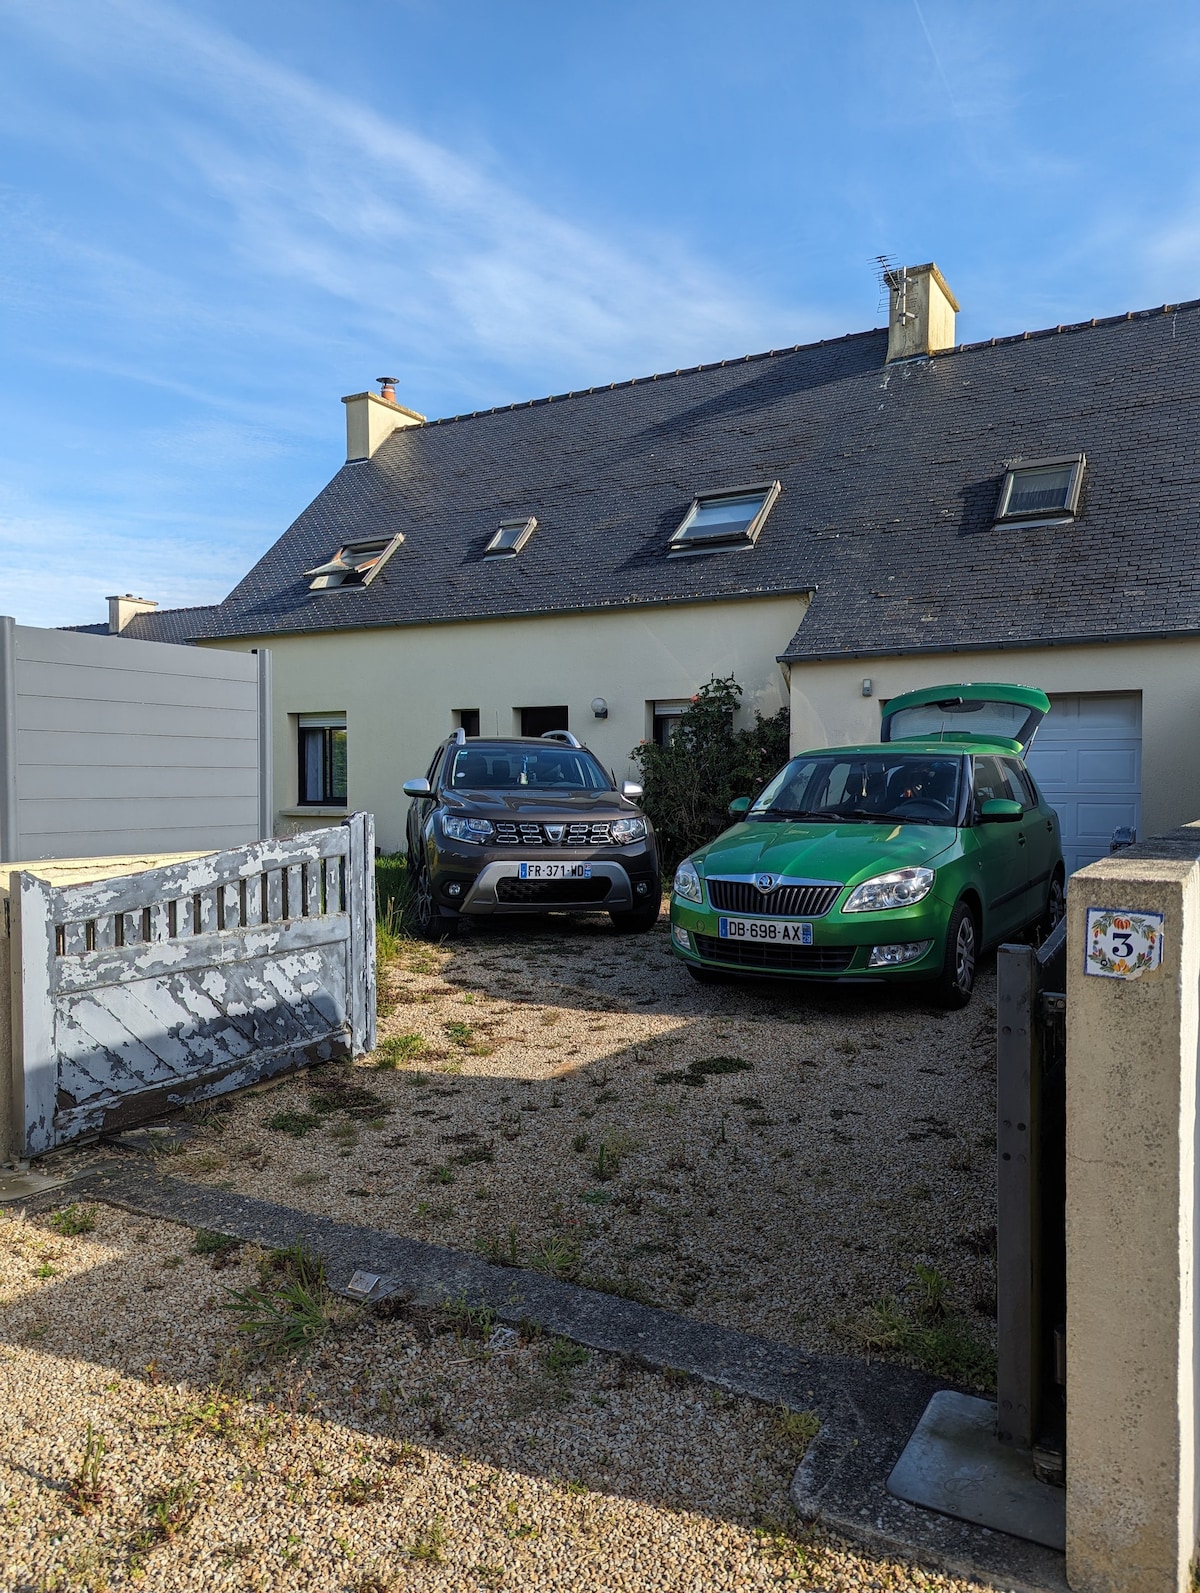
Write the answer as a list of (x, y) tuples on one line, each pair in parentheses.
[(156, 989)]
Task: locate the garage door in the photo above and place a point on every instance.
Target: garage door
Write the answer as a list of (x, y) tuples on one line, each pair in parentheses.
[(1087, 758)]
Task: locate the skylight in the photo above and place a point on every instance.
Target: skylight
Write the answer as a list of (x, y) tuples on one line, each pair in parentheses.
[(510, 538), (1041, 488), (354, 563), (724, 519)]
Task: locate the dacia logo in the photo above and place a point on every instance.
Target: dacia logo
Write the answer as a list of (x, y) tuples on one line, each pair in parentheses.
[(765, 883), (555, 832)]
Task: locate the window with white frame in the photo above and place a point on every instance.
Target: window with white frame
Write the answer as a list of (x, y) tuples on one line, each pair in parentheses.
[(511, 536)]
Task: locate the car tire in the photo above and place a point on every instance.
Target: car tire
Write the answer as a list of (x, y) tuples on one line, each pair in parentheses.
[(1056, 906), (638, 919), (428, 923), (962, 951)]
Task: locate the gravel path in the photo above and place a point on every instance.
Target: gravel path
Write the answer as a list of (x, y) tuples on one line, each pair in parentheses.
[(543, 1099), (397, 1455)]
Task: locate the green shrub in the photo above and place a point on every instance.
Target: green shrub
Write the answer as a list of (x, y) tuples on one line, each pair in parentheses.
[(690, 783)]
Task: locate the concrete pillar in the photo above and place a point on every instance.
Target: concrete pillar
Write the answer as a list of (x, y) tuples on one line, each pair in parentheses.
[(1131, 1209)]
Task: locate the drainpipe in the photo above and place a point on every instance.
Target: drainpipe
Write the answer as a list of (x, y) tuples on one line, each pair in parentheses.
[(9, 833)]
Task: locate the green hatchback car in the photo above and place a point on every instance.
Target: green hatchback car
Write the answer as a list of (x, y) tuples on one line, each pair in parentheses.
[(895, 861)]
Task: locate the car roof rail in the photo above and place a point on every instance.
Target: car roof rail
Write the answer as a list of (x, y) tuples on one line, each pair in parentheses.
[(564, 736), (459, 738)]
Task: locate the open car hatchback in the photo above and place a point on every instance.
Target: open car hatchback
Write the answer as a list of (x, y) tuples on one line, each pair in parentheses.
[(894, 861)]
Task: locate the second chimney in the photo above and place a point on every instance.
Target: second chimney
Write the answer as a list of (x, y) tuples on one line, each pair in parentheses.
[(922, 311), (371, 418), (122, 609)]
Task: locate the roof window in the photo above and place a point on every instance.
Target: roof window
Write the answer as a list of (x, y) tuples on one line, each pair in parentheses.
[(724, 519), (1039, 489), (510, 538), (354, 563)]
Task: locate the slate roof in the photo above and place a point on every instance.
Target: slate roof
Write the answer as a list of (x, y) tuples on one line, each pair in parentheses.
[(890, 477)]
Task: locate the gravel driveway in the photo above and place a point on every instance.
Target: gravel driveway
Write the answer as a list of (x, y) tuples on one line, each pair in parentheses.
[(761, 1156)]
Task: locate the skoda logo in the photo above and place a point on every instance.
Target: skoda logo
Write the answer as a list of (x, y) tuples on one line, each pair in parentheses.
[(555, 832), (765, 883)]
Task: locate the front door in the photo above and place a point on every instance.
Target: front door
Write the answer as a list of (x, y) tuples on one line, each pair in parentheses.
[(1002, 850)]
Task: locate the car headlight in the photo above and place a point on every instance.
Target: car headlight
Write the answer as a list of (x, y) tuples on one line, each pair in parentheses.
[(477, 830), (901, 888), (625, 831), (687, 883)]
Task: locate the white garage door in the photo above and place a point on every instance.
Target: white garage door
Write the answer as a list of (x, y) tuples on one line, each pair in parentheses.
[(1087, 758)]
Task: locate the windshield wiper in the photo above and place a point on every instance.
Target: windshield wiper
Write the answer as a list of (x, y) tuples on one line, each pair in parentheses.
[(795, 813)]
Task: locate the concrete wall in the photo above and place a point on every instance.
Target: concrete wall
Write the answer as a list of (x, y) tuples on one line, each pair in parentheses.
[(116, 746), (399, 686), (1132, 1343), (829, 709), (61, 871)]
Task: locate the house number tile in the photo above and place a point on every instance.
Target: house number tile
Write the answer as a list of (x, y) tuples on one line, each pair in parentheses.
[(1122, 942)]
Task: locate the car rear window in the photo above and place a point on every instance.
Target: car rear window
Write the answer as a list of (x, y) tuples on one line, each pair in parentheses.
[(550, 768)]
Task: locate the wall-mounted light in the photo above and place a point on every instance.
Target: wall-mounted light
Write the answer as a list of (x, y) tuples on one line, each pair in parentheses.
[(867, 687), (599, 707)]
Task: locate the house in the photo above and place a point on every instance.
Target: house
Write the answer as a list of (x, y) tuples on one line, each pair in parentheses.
[(831, 524)]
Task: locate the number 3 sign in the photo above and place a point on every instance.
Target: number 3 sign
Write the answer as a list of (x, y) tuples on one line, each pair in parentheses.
[(1122, 943)]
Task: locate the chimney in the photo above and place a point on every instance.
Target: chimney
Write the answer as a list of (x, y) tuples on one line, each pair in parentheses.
[(921, 311), (371, 418), (122, 609)]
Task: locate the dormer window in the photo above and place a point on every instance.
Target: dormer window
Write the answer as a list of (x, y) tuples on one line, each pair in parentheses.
[(1039, 489), (510, 538), (724, 519), (354, 564)]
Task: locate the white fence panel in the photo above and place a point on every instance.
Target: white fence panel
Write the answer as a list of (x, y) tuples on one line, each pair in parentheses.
[(145, 993)]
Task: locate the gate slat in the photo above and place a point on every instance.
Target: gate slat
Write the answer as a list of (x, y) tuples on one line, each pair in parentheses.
[(274, 912)]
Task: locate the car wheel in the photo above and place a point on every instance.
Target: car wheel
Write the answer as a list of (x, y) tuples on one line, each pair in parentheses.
[(427, 921), (958, 969), (1056, 906), (638, 920)]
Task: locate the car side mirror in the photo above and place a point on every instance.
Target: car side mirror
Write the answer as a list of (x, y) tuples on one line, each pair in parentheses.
[(1001, 810), (630, 791), (417, 788), (739, 807)]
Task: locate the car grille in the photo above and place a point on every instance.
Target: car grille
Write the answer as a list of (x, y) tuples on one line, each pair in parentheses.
[(785, 959), (549, 892), (511, 832), (785, 901)]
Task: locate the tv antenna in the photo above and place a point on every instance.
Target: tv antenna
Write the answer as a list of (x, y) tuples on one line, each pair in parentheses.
[(891, 276)]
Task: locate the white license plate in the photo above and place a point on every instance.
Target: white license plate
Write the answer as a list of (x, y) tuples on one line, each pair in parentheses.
[(765, 929), (554, 870)]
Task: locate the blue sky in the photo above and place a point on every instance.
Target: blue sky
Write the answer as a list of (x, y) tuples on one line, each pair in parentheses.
[(218, 218)]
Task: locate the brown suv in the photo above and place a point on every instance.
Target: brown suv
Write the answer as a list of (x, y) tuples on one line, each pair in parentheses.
[(527, 825)]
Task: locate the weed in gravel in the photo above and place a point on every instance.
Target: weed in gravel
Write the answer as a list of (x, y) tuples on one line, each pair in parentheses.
[(581, 1142), (936, 1338), (306, 1179), (458, 1033), (606, 1165), (469, 1321), (399, 1049), (441, 1175), (558, 1253), (796, 1429), (297, 1124), (215, 1417), (704, 1068), (358, 1491), (86, 1489), (428, 1543), (290, 1310), (418, 1079), (624, 1288), (350, 1099), (562, 1356), (73, 1219), (45, 1271), (473, 1154), (221, 1248), (172, 1508)]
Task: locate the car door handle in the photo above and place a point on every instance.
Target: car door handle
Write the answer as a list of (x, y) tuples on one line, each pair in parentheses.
[(1021, 838)]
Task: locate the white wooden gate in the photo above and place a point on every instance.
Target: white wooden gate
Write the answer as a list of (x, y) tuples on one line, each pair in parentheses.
[(138, 995)]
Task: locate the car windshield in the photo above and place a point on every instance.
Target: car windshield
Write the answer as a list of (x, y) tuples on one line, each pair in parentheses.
[(524, 768), (863, 788)]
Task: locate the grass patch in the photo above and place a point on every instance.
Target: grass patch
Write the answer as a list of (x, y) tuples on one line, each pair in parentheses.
[(341, 1095), (290, 1310), (86, 1489), (704, 1068), (399, 1049), (458, 1033), (796, 1429), (221, 1248), (297, 1124), (428, 1543), (73, 1219), (928, 1332)]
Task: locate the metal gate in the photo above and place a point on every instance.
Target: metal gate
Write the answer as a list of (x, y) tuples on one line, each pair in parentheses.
[(141, 994), (1031, 1253)]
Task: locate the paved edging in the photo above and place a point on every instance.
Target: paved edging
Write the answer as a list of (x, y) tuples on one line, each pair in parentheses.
[(867, 1410)]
